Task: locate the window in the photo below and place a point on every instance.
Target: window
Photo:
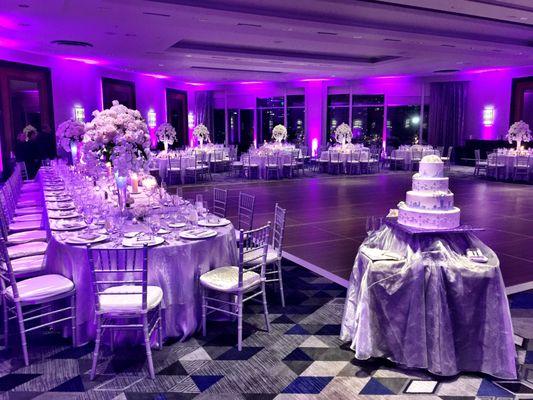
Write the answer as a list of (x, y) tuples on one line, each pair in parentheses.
[(367, 118), (295, 118), (219, 126), (270, 112), (338, 113), (403, 124)]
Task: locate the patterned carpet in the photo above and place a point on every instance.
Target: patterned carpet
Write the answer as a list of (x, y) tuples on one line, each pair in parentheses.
[(301, 358)]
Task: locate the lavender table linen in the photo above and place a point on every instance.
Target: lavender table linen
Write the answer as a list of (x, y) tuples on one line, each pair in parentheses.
[(433, 308), (175, 267)]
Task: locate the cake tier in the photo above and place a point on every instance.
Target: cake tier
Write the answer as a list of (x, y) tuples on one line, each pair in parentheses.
[(428, 219), (422, 183), (431, 166), (430, 200)]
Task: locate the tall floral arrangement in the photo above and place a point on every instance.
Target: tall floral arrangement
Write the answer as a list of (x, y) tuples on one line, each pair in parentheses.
[(201, 133), (69, 132), (117, 135), (519, 132), (166, 134), (343, 134), (28, 133), (279, 133)]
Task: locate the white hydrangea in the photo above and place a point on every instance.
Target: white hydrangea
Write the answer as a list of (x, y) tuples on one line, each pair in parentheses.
[(118, 135), (520, 132), (343, 134), (166, 133), (69, 131), (279, 133)]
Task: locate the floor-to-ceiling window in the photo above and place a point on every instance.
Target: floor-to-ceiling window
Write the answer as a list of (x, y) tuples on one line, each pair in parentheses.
[(338, 112), (403, 124), (270, 112), (296, 118), (367, 118), (219, 126)]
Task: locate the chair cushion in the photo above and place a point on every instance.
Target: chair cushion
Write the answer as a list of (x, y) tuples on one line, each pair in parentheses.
[(226, 279), (28, 210), (128, 303), (41, 288), (28, 203), (27, 249), (24, 226), (27, 236), (28, 217), (251, 257), (28, 265)]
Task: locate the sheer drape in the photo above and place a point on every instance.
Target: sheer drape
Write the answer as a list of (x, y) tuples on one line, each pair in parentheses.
[(203, 109), (447, 108)]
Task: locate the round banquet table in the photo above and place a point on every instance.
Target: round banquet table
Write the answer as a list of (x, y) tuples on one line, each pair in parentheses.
[(509, 161), (424, 304), (175, 267)]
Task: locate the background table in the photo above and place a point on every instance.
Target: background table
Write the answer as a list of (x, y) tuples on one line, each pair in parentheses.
[(433, 309)]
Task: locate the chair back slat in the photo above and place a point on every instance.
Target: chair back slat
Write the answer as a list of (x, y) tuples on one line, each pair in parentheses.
[(246, 211), (254, 245), (278, 229), (220, 202)]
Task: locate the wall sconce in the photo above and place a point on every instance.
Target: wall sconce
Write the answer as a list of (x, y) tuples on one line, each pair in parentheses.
[(488, 116), (314, 147), (152, 119), (79, 113), (190, 120)]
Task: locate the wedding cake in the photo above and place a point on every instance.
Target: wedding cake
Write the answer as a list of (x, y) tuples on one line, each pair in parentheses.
[(430, 204)]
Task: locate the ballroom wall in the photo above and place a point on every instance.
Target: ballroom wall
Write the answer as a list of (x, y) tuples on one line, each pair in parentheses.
[(77, 83)]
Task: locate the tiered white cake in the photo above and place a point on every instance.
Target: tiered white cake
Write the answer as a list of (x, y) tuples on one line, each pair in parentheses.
[(430, 204)]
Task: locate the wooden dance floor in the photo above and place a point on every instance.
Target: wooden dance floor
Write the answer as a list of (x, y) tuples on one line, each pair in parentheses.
[(327, 214)]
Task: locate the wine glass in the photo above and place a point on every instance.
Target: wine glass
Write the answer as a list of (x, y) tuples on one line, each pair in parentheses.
[(154, 224), (370, 225)]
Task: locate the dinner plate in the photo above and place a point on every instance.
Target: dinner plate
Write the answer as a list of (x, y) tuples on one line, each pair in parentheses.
[(80, 241), (198, 234), (220, 222), (60, 207), (133, 242), (61, 225), (68, 214), (177, 224)]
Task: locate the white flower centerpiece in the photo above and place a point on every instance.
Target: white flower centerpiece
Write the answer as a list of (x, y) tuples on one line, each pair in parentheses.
[(202, 134), (28, 133), (279, 133), (519, 132), (69, 135), (343, 134), (118, 136), (166, 134)]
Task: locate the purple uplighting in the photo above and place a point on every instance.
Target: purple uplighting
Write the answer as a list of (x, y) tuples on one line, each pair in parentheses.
[(361, 169)]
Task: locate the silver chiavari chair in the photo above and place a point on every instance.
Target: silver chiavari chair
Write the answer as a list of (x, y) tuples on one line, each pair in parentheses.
[(353, 165), (174, 170), (335, 163), (481, 165), (35, 302), (220, 202), (274, 252), (272, 166), (244, 283), (521, 168), (123, 298)]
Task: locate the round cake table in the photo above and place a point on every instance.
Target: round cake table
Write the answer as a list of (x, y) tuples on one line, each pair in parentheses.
[(417, 300)]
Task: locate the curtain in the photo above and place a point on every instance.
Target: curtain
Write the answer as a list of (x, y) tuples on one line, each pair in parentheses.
[(447, 108), (203, 109)]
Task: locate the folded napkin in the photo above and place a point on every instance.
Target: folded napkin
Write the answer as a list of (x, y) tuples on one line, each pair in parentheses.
[(88, 236), (380, 255), (144, 238)]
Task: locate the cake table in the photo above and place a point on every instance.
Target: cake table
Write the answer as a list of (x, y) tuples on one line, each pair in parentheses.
[(424, 304)]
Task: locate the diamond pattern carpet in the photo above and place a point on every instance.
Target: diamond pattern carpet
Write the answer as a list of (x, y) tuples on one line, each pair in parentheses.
[(301, 358)]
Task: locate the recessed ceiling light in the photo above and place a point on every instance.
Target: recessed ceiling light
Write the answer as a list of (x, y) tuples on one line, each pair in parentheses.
[(357, 37), (523, 18), (188, 55)]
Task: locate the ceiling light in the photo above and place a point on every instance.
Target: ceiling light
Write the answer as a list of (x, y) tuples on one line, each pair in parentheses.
[(188, 55), (82, 60), (158, 76), (357, 37)]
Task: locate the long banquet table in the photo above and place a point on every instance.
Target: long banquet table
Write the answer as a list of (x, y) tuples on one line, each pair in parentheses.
[(424, 304), (175, 266)]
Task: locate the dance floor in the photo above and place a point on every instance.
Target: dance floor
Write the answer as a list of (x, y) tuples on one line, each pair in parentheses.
[(327, 214)]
